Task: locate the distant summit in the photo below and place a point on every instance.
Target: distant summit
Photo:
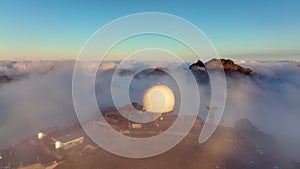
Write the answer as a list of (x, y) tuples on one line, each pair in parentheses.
[(199, 65), (5, 79), (228, 65)]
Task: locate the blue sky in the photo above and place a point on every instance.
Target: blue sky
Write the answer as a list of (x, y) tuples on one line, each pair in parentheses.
[(57, 29)]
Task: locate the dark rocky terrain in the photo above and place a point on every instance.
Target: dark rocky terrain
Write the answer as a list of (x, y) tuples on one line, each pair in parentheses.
[(243, 146), (227, 148)]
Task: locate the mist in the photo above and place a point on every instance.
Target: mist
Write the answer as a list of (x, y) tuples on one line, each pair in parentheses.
[(43, 99)]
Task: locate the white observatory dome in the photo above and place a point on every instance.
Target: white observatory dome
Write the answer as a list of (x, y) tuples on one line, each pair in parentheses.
[(159, 99)]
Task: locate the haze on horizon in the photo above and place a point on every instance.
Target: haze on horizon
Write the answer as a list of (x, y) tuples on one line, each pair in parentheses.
[(238, 29)]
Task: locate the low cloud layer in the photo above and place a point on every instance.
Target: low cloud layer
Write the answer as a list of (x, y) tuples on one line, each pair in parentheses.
[(43, 99)]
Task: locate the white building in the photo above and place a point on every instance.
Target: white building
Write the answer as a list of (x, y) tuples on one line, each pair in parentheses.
[(41, 135), (68, 141)]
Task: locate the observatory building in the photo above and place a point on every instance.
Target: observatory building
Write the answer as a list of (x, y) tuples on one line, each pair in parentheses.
[(158, 101), (65, 141)]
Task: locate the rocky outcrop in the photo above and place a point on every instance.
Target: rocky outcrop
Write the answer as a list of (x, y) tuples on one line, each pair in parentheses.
[(5, 79), (137, 106), (226, 64), (199, 65)]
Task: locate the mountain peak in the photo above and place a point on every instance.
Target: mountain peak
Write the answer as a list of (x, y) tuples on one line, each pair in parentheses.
[(226, 64)]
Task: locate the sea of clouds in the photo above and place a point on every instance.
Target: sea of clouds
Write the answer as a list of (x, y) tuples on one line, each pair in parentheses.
[(41, 96)]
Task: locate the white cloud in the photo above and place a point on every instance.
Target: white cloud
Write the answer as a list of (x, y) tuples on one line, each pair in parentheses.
[(270, 99)]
